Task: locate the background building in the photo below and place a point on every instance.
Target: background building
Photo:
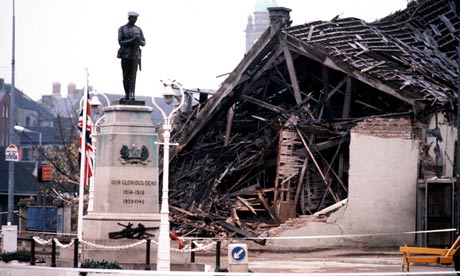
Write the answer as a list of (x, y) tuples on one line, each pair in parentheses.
[(258, 21)]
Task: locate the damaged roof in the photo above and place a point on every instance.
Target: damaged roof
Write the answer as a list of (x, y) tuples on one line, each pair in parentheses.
[(412, 51), (275, 136), (408, 55)]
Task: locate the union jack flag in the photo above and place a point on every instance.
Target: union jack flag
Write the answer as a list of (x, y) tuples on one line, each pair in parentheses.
[(88, 149)]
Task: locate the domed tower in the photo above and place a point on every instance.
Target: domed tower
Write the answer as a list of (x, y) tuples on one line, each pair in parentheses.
[(258, 22)]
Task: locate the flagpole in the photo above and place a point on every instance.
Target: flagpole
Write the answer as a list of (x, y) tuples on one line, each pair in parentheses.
[(83, 174)]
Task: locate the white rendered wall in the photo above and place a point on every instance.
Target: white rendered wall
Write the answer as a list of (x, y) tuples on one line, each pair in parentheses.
[(381, 198), (382, 189)]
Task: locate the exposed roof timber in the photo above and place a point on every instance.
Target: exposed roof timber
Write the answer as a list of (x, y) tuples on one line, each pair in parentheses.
[(313, 53), (263, 104), (268, 64), (251, 59), (292, 74)]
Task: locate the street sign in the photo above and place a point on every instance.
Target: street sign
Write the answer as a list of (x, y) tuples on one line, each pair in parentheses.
[(11, 153), (238, 257), (238, 253), (46, 172)]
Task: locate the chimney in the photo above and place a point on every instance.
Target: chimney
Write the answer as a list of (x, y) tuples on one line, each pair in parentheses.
[(279, 18), (70, 89), (56, 89)]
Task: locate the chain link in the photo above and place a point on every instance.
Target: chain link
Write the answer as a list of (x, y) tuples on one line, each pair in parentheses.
[(41, 241), (58, 243)]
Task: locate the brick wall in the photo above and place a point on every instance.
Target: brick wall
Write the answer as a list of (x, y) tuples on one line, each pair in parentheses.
[(385, 127)]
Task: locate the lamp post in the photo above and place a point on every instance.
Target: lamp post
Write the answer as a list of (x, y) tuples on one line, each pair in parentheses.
[(21, 129), (94, 102), (13, 117), (163, 254)]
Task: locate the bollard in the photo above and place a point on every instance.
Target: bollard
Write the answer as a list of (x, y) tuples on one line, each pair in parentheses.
[(75, 254), (192, 252), (218, 255), (32, 251), (147, 255), (53, 253)]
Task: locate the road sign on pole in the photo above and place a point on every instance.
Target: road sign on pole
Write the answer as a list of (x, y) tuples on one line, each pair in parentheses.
[(44, 172), (12, 153), (238, 257)]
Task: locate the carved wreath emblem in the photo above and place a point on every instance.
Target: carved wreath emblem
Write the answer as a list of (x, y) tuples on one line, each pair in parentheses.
[(134, 155)]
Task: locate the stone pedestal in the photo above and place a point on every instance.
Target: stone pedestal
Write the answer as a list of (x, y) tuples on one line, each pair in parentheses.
[(125, 191), (126, 173)]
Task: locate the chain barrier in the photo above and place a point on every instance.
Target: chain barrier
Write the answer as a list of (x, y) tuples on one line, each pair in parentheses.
[(120, 247), (207, 247), (187, 248)]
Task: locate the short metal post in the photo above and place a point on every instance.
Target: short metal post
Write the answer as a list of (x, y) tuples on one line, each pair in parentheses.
[(53, 253), (192, 252), (32, 251), (218, 255), (75, 253), (147, 255)]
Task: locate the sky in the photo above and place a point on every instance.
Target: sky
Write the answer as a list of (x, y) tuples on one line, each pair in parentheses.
[(191, 41)]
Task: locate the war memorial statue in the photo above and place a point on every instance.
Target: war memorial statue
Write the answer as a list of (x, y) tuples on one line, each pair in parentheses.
[(130, 38)]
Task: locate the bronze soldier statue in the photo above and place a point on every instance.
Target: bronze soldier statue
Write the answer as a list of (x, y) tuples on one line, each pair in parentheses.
[(130, 38)]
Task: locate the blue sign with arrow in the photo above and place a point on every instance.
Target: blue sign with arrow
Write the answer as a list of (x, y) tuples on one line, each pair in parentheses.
[(238, 253)]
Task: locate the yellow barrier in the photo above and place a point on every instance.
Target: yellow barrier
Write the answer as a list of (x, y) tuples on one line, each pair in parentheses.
[(428, 255)]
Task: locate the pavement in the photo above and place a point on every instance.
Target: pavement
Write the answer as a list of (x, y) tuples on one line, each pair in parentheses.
[(386, 261), (333, 262), (344, 260)]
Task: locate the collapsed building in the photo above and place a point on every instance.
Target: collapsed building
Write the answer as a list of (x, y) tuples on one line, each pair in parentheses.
[(343, 119)]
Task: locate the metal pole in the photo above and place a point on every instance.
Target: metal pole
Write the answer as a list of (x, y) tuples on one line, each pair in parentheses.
[(164, 255), (192, 253), (147, 255), (43, 184), (163, 262), (32, 251), (53, 253), (44, 208), (218, 255), (75, 253), (12, 135), (457, 188)]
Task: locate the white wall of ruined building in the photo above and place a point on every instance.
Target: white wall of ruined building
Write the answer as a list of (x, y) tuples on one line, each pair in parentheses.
[(384, 158), (382, 180), (382, 188)]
